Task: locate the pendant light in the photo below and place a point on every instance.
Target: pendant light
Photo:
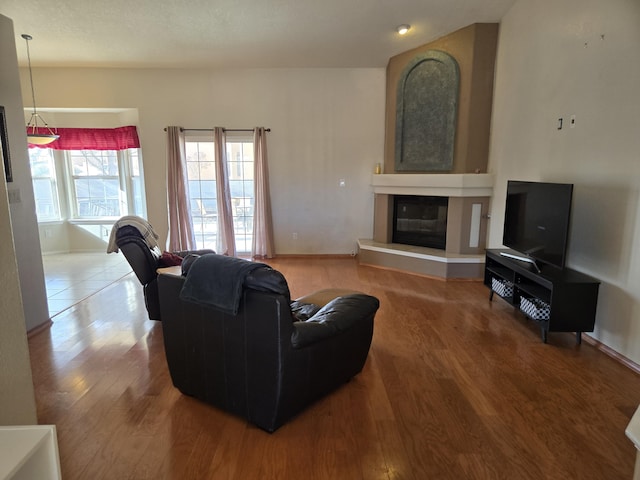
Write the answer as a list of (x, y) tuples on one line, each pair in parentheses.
[(33, 135)]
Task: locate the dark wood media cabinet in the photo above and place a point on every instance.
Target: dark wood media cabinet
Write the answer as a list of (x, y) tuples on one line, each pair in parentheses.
[(566, 298)]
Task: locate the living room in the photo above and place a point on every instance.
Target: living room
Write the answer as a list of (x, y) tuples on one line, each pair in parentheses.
[(555, 60), (328, 124)]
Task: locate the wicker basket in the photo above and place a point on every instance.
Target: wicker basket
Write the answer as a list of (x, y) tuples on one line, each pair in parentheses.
[(502, 287), (534, 308)]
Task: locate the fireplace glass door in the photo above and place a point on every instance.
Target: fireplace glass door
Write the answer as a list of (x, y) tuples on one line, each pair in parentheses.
[(420, 221)]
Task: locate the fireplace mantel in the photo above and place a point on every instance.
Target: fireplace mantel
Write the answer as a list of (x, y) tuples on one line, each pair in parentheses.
[(434, 184)]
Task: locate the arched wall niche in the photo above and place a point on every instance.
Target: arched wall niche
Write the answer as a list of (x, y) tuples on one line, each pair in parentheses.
[(426, 113), (474, 49)]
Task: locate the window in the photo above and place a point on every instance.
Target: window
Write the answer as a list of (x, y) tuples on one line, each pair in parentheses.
[(96, 183), (45, 190), (240, 164), (100, 184), (201, 176), (106, 183), (135, 182)]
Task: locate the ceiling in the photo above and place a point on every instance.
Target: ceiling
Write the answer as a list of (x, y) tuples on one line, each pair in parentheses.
[(234, 33)]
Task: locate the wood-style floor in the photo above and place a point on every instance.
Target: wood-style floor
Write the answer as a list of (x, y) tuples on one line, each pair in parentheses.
[(454, 387)]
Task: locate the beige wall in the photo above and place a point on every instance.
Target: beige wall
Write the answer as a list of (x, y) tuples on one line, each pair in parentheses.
[(552, 62), (326, 125), (474, 48), (17, 401)]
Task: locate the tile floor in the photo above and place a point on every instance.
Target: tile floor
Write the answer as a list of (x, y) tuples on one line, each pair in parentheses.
[(71, 277)]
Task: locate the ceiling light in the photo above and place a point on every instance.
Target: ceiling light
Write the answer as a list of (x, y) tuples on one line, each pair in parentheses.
[(34, 136), (403, 29)]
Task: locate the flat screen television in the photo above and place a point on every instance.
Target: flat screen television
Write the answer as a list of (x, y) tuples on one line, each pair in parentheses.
[(536, 221)]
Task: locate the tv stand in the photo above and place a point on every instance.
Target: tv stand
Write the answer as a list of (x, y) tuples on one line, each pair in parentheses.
[(521, 258), (570, 297)]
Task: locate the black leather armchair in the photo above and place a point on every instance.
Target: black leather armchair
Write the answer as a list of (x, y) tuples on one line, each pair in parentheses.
[(272, 358), (145, 262)]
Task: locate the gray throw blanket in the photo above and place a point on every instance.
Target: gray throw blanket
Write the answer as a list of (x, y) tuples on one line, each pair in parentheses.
[(217, 281)]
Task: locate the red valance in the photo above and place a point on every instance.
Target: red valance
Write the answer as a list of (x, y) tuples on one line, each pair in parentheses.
[(120, 138)]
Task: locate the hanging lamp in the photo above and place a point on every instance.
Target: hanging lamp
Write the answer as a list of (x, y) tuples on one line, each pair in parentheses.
[(33, 134)]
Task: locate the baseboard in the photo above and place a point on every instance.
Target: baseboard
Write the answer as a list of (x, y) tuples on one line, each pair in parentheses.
[(314, 255), (598, 345), (71, 252), (43, 326)]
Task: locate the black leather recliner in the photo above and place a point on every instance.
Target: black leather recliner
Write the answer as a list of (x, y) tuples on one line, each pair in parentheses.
[(145, 262), (273, 357)]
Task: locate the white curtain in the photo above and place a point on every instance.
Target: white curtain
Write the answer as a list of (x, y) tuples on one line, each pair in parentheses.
[(226, 242), (181, 235), (262, 225)]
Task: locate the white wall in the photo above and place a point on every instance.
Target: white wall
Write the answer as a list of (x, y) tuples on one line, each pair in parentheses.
[(23, 211), (17, 401), (326, 125), (553, 62)]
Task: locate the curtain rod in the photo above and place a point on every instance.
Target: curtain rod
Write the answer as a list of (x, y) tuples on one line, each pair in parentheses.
[(224, 129)]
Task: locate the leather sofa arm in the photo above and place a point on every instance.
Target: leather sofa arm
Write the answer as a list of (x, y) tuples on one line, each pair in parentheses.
[(335, 317), (184, 253), (324, 296)]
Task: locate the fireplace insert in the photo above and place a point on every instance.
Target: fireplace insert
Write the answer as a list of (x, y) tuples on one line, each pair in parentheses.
[(420, 221)]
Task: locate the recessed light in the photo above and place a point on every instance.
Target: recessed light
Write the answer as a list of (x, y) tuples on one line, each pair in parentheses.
[(403, 29)]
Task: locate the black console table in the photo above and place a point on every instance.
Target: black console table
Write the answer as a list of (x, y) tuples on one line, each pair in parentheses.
[(564, 300)]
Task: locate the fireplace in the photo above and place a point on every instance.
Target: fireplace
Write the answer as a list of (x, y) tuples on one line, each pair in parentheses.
[(420, 221), (461, 231)]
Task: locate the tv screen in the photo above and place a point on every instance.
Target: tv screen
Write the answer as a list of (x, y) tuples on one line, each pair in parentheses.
[(536, 220)]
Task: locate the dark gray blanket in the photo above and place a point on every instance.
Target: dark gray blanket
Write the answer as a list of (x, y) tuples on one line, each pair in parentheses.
[(217, 281)]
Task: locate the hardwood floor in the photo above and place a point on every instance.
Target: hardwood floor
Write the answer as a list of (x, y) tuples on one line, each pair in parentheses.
[(454, 387)]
